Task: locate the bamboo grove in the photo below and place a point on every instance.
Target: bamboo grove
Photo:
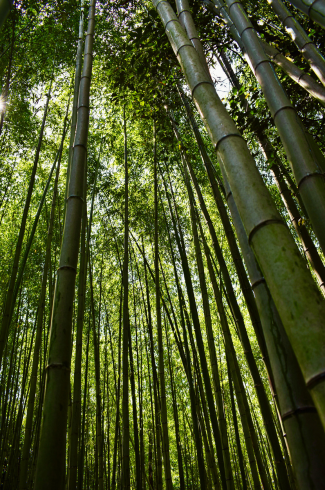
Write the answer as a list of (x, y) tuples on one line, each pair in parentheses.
[(162, 210)]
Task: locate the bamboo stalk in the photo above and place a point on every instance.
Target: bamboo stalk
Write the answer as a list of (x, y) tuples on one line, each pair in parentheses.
[(300, 304), (300, 38), (315, 9), (50, 472)]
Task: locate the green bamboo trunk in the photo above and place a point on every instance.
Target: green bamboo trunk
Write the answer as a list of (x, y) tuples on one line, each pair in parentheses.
[(299, 76), (9, 303), (304, 160), (125, 335), (38, 340), (50, 471), (163, 403), (298, 301), (303, 42), (298, 414), (315, 9)]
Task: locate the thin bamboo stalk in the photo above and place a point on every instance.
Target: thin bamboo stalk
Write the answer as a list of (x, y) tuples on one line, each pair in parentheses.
[(162, 384), (125, 335), (8, 307)]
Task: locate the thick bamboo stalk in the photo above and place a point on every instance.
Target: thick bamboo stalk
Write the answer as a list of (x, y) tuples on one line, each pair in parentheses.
[(300, 38), (186, 20), (298, 414), (274, 162), (299, 76), (305, 163), (50, 471), (300, 304), (314, 8)]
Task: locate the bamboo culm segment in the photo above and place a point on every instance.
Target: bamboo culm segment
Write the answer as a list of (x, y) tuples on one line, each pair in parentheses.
[(75, 93), (163, 404), (125, 336), (312, 167), (314, 8), (297, 298), (305, 164), (299, 417), (274, 162), (295, 73), (300, 38), (50, 472), (299, 76)]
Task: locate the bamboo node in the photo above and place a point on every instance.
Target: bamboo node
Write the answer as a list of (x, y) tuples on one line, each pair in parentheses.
[(297, 411), (67, 267), (183, 45), (80, 144), (256, 283), (281, 109), (57, 365), (307, 176), (310, 7), (184, 10), (227, 136), (200, 83), (74, 196), (287, 17), (263, 223), (315, 380)]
